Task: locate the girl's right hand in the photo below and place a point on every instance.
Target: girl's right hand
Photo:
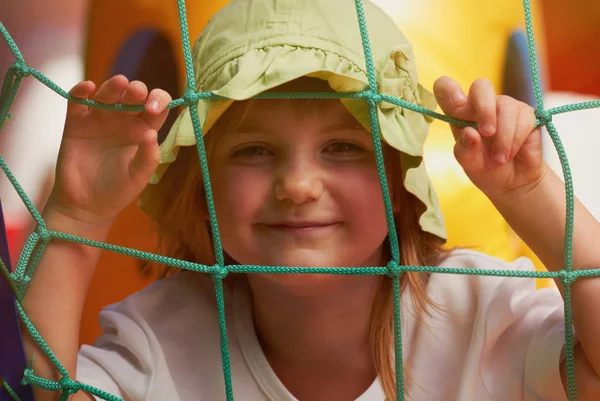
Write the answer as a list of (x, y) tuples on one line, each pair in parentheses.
[(107, 157)]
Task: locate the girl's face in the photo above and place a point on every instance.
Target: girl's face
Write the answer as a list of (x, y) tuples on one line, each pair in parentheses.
[(296, 184)]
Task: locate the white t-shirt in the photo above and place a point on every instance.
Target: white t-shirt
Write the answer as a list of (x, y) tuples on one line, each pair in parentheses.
[(496, 339)]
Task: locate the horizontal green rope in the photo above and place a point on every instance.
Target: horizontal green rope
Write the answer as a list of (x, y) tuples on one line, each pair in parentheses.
[(66, 384), (574, 107)]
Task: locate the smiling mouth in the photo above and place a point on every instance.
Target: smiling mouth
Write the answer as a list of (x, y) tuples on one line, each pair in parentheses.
[(300, 226)]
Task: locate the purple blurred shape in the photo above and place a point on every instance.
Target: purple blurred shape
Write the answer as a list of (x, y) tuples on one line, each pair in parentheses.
[(12, 354)]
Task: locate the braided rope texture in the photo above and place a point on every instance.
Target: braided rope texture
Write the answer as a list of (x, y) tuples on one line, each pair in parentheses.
[(39, 239)]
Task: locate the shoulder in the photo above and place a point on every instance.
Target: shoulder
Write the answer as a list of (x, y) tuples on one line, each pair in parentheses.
[(185, 287), (482, 281), (151, 340), (186, 298), (478, 269), (470, 259), (151, 325), (490, 326)]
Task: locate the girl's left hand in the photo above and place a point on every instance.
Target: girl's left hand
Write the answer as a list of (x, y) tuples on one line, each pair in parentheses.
[(504, 153)]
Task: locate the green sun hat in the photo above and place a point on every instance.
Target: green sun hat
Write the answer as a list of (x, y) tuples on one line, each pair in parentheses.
[(250, 47)]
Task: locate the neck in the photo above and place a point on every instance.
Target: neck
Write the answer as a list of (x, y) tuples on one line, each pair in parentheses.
[(316, 327)]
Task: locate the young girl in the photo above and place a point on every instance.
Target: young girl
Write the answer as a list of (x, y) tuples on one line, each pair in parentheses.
[(295, 183)]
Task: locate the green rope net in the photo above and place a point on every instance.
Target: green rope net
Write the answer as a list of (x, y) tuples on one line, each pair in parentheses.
[(39, 239)]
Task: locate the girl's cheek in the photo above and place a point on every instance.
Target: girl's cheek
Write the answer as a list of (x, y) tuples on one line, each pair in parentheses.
[(360, 189), (245, 189), (358, 177)]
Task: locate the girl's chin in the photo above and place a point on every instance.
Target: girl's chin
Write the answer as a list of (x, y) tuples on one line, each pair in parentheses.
[(300, 284), (304, 257)]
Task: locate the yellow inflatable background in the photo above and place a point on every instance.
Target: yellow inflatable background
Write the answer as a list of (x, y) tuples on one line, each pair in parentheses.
[(465, 39)]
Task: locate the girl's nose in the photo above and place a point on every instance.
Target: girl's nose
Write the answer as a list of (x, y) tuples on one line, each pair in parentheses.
[(299, 182)]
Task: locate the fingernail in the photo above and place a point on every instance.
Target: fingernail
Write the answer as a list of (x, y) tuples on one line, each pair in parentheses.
[(153, 105), (500, 157), (464, 140), (458, 97)]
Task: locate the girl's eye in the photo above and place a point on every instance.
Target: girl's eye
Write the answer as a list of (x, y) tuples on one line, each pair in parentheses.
[(251, 152), (344, 149)]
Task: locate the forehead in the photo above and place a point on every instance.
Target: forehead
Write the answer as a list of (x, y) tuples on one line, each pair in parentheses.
[(316, 110), (270, 111)]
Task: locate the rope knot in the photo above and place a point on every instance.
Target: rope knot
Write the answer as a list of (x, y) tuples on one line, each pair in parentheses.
[(393, 270), (27, 374), (567, 277), (44, 234), (544, 116), (23, 282), (21, 70), (67, 384), (191, 97), (373, 98), (219, 272)]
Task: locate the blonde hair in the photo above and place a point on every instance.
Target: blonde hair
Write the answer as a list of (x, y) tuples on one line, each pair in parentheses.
[(185, 234)]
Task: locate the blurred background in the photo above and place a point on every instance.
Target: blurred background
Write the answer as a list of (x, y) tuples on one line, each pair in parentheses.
[(72, 40)]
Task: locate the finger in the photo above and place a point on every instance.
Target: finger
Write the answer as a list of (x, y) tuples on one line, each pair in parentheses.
[(110, 91), (482, 96), (449, 94), (507, 118), (156, 108), (454, 103), (524, 128), (135, 93), (452, 99), (80, 91), (146, 158), (468, 151)]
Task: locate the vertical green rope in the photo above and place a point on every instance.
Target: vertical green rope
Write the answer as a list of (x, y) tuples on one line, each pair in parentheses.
[(366, 44), (39, 340), (21, 192), (185, 44), (33, 264), (546, 119), (398, 341), (533, 61), (26, 252), (9, 92), (192, 101), (11, 44), (13, 77), (372, 99), (9, 390), (391, 224), (19, 273), (8, 277), (218, 280)]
